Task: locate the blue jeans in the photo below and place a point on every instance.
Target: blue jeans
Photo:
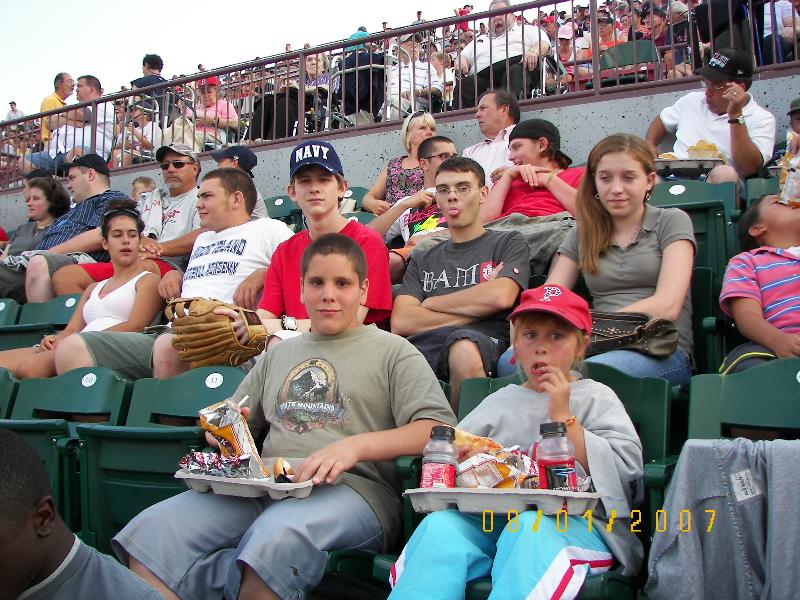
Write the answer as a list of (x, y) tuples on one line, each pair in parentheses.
[(677, 368), (43, 160)]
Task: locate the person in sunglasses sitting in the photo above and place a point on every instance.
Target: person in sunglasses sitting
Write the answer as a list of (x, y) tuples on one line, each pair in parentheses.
[(171, 226)]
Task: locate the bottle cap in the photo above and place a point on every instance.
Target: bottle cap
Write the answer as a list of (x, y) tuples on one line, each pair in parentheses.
[(557, 428), (443, 432)]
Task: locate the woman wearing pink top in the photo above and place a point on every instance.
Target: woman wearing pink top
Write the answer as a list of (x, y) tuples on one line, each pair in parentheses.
[(212, 116)]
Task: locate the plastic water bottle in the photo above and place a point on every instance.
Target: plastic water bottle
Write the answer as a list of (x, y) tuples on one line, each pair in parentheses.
[(555, 457), (440, 459)]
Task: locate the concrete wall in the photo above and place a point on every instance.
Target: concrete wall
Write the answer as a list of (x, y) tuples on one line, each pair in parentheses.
[(582, 123)]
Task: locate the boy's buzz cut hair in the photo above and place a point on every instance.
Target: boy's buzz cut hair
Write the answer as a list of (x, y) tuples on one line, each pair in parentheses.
[(462, 164), (336, 243)]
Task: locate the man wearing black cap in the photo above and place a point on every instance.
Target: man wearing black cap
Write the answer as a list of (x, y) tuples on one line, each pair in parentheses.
[(540, 183), (71, 238), (172, 224), (794, 126), (241, 157), (724, 114)]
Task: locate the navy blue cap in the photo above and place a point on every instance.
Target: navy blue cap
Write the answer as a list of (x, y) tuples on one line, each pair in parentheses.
[(247, 159), (315, 152)]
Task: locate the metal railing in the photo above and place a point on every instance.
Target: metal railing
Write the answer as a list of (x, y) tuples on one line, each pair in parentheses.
[(354, 84)]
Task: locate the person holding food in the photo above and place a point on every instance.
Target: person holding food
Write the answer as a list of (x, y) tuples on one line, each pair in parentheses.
[(723, 119), (348, 399), (532, 554)]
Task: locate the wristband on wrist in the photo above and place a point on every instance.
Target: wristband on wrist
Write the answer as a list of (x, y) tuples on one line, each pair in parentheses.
[(571, 420), (551, 176)]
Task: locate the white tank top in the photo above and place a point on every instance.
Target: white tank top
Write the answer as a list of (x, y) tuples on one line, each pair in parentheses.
[(101, 313)]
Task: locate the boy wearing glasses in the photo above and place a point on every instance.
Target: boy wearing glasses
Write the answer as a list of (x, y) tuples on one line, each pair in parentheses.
[(456, 296), (417, 215), (723, 114)]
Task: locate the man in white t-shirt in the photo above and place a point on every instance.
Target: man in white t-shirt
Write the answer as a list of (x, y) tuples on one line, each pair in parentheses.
[(724, 115), (140, 135), (483, 61), (414, 85), (229, 262), (71, 131), (497, 113), (787, 19)]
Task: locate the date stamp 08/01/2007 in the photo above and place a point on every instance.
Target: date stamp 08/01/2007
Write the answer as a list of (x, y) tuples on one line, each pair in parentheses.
[(633, 521)]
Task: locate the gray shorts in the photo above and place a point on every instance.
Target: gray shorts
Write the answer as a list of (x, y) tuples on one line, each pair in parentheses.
[(434, 345), (56, 261), (198, 543), (129, 354)]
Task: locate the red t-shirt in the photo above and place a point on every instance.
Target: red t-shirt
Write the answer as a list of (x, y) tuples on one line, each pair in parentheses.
[(538, 201), (282, 285)]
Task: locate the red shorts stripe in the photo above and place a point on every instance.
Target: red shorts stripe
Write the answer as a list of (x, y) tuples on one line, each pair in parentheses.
[(593, 564), (104, 270)]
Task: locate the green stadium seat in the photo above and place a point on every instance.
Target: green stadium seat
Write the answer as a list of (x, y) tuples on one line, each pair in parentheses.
[(361, 216), (37, 320), (125, 469), (762, 397), (641, 58), (8, 392), (9, 311), (648, 403), (285, 209), (46, 413), (757, 187), (357, 195)]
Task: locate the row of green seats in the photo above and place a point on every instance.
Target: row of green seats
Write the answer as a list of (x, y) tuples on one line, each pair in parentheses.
[(25, 325), (111, 447), (285, 209)]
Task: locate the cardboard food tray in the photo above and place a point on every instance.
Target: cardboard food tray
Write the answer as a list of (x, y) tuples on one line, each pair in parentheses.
[(477, 500), (686, 164), (244, 488)]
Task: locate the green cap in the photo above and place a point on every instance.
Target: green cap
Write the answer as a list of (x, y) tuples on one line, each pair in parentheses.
[(794, 106)]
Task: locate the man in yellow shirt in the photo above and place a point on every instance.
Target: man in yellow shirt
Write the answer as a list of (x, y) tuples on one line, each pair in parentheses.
[(64, 86)]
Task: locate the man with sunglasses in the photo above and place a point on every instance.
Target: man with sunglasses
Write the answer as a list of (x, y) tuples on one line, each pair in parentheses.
[(724, 114), (417, 215), (455, 297), (171, 226)]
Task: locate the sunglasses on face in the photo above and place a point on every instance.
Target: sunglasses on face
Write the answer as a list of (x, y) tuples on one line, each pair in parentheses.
[(178, 164), (441, 156)]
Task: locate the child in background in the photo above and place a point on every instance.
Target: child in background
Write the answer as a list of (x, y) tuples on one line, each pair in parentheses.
[(551, 331), (141, 185)]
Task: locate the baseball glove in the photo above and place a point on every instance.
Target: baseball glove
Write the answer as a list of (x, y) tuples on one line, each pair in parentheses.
[(203, 338)]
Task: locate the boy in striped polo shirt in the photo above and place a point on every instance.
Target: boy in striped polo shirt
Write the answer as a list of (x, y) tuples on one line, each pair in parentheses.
[(761, 290)]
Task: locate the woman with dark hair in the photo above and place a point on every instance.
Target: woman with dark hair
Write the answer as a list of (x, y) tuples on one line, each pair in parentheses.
[(128, 301), (46, 200)]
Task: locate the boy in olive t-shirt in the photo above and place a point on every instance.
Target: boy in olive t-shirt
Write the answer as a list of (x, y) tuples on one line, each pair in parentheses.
[(348, 398)]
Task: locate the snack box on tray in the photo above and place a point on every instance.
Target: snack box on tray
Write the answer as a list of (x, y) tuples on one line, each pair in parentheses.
[(247, 488), (501, 500)]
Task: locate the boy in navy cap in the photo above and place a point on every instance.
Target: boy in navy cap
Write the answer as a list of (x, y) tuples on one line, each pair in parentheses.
[(317, 184)]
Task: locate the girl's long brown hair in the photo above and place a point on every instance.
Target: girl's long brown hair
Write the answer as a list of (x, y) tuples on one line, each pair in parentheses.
[(595, 227)]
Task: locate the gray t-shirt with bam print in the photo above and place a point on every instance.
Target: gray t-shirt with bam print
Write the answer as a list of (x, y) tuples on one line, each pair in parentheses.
[(315, 390)]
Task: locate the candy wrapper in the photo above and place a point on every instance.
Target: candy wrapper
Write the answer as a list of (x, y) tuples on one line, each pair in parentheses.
[(229, 427), (211, 463), (509, 468)]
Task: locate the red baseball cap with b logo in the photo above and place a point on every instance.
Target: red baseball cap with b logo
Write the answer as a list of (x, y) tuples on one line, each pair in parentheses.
[(558, 301)]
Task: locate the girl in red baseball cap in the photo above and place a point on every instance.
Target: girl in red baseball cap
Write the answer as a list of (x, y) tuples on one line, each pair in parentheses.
[(535, 555)]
